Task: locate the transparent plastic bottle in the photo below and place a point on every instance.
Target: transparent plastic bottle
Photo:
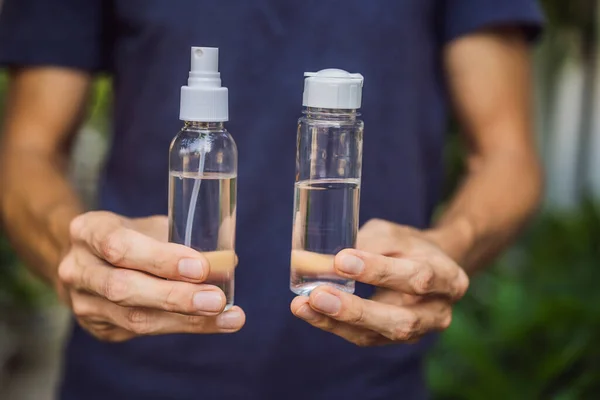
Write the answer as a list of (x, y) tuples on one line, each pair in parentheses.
[(203, 172), (328, 171)]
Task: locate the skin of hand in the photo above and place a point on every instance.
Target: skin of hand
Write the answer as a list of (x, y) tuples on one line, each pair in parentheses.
[(417, 284), (123, 279), (419, 275)]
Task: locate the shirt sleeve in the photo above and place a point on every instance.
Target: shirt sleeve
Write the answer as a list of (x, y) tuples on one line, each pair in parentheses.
[(64, 33), (461, 17)]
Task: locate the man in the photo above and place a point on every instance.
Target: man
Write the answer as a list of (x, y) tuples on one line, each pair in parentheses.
[(143, 337)]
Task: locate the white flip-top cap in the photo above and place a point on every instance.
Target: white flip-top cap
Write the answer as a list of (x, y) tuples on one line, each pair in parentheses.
[(203, 99), (333, 88)]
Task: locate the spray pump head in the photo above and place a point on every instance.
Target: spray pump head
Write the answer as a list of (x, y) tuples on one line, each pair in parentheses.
[(204, 99)]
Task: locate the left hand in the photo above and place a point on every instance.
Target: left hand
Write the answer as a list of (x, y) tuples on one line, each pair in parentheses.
[(417, 285)]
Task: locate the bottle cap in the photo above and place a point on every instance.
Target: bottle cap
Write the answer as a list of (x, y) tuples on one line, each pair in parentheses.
[(333, 88), (204, 99)]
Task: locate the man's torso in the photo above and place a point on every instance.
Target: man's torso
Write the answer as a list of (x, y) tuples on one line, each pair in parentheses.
[(265, 47)]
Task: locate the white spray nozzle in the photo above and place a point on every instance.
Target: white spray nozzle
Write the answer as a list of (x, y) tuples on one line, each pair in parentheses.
[(205, 59), (205, 67), (203, 99)]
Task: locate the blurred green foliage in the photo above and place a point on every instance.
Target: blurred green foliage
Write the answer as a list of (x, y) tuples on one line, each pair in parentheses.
[(18, 290), (100, 110), (528, 328), (569, 14)]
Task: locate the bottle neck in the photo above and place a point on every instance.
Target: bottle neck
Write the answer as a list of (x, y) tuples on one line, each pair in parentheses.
[(204, 126), (330, 114)]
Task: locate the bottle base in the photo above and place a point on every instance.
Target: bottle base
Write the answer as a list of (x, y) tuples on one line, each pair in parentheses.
[(305, 288)]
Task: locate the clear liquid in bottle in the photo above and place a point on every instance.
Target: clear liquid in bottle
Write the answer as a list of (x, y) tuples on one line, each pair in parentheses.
[(212, 231), (325, 222)]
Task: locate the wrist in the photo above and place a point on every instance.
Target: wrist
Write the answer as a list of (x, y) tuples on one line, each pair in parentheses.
[(58, 220), (456, 238)]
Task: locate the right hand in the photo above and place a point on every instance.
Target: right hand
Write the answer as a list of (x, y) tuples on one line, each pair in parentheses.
[(113, 274)]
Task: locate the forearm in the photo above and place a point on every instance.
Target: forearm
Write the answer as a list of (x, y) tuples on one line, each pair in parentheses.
[(495, 201), (489, 74), (44, 107), (36, 204)]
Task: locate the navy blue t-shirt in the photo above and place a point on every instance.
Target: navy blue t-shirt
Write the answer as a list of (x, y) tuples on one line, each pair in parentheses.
[(265, 47)]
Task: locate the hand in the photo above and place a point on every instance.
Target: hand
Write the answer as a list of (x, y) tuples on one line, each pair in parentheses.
[(417, 286), (114, 279)]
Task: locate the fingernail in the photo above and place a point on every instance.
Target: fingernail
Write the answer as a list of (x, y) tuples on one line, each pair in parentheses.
[(307, 313), (191, 268), (351, 265), (230, 320), (208, 301), (327, 303)]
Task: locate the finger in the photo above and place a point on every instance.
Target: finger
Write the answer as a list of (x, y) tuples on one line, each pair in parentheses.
[(135, 289), (142, 321), (309, 262), (395, 323), (229, 321), (380, 237), (106, 332), (108, 238), (437, 274), (88, 310), (156, 226), (362, 337)]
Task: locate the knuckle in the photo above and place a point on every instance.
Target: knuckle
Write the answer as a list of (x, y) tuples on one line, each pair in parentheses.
[(197, 323), (66, 270), (326, 324), (112, 247), (357, 316), (446, 321), (138, 321), (384, 226), (463, 283), (100, 332), (113, 338), (413, 323), (160, 220), (76, 226), (364, 340), (103, 336), (116, 286), (378, 225), (195, 320), (439, 259), (372, 222), (81, 309), (383, 273), (160, 264), (424, 280), (171, 303), (401, 334), (407, 329), (106, 216)]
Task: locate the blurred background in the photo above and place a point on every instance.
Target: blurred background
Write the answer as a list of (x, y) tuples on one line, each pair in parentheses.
[(529, 327)]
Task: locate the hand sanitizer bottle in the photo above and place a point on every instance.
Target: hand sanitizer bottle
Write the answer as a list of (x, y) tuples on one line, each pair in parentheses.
[(327, 189), (203, 171)]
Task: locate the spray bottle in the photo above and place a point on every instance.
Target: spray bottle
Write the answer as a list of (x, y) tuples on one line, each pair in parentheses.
[(328, 171), (203, 172)]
